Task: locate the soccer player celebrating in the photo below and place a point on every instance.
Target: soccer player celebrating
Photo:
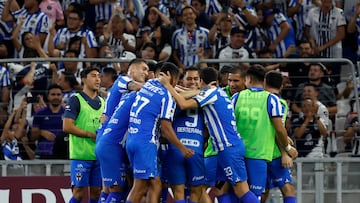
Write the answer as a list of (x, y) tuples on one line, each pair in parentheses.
[(153, 106), (220, 121)]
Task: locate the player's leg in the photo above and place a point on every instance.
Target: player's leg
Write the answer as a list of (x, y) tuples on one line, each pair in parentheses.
[(138, 190), (195, 172), (153, 193), (95, 182)]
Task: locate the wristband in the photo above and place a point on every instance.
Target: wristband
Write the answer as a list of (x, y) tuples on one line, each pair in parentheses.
[(288, 147)]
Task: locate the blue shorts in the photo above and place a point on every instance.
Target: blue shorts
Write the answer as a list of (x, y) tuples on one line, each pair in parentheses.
[(231, 162), (213, 172), (112, 163), (143, 158), (257, 173), (183, 170), (277, 175), (85, 173)]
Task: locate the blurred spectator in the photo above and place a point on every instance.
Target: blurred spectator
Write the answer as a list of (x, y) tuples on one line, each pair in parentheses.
[(202, 19), (37, 21), (71, 67), (74, 27), (279, 32), (53, 9), (352, 137), (153, 19), (100, 25), (326, 93), (246, 16), (236, 49), (105, 52), (47, 123), (188, 40), (104, 8), (309, 131), (325, 28), (219, 34), (5, 94), (115, 37), (280, 5), (148, 51), (298, 72), (259, 40), (162, 40), (224, 75), (354, 26), (5, 32), (108, 77), (298, 11), (14, 137), (69, 85)]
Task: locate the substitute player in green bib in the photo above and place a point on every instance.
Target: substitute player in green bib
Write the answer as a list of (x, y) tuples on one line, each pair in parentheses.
[(279, 174), (81, 120), (258, 116)]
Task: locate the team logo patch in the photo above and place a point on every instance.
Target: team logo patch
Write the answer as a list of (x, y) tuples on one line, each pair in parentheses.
[(78, 177)]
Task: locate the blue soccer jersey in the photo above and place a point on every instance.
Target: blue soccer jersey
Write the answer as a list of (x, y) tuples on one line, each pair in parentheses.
[(118, 123), (112, 100), (189, 128), (113, 168), (153, 103), (219, 118)]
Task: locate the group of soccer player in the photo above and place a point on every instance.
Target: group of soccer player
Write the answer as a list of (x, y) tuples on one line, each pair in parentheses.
[(250, 149)]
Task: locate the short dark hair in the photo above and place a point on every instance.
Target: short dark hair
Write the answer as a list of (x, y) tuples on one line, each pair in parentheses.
[(187, 7), (86, 71), (72, 51), (54, 86), (112, 72), (209, 75), (78, 12), (171, 68), (256, 72), (274, 79), (322, 66), (312, 85), (238, 70), (192, 68), (70, 78)]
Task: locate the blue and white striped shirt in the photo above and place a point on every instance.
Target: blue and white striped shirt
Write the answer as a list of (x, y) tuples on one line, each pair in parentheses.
[(35, 23), (274, 31), (187, 44), (4, 77), (300, 17), (5, 27), (219, 118)]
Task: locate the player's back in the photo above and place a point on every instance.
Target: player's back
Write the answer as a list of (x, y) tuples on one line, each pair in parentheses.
[(152, 102), (119, 122), (219, 116)]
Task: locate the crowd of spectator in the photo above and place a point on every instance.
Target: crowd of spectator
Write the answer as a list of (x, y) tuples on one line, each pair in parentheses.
[(180, 31)]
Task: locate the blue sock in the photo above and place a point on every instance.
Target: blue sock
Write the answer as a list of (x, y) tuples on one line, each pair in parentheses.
[(249, 197), (225, 198), (180, 201), (114, 197), (73, 200), (164, 194), (290, 200), (103, 197), (191, 201), (128, 202), (93, 200)]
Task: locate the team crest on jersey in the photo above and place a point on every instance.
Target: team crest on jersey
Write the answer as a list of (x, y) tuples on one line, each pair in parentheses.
[(32, 22), (78, 177)]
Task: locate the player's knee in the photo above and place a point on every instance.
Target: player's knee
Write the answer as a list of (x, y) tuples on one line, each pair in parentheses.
[(78, 192), (288, 190)]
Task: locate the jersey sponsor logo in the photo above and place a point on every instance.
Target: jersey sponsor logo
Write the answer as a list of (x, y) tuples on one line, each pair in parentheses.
[(188, 130), (114, 121), (107, 130), (190, 142), (255, 187), (133, 130), (135, 120)]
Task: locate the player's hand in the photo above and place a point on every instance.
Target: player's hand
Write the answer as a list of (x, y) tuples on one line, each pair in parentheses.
[(292, 152), (165, 78), (188, 152), (291, 142), (286, 160)]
